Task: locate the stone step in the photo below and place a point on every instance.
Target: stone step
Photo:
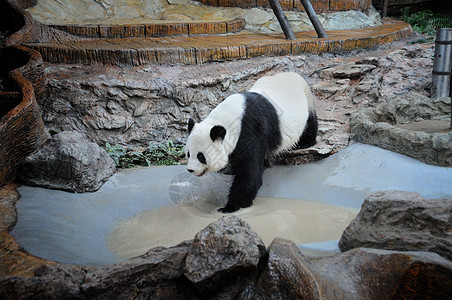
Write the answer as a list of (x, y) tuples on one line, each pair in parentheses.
[(202, 49), (157, 29)]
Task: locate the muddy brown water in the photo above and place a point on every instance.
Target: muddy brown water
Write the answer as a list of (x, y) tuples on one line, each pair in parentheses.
[(301, 221)]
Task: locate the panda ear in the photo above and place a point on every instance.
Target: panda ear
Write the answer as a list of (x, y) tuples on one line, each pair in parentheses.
[(191, 124), (217, 132)]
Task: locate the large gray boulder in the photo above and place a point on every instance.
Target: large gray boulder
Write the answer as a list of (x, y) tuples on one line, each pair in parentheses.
[(68, 161), (223, 257), (397, 220)]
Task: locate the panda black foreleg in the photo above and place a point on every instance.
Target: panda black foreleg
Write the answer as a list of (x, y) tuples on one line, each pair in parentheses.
[(247, 181)]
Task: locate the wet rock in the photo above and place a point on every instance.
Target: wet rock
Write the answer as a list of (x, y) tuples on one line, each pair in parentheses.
[(396, 220), (224, 257), (380, 274), (357, 274), (70, 162), (154, 275), (13, 288), (8, 197), (377, 126), (287, 274), (303, 156)]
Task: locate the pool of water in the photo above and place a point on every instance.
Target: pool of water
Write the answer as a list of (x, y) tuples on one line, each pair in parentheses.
[(80, 228), (300, 221)]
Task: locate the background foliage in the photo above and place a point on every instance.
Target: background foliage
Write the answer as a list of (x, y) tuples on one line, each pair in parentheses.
[(426, 22), (155, 154)]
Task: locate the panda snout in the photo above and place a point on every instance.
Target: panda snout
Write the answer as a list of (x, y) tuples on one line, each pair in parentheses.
[(190, 170)]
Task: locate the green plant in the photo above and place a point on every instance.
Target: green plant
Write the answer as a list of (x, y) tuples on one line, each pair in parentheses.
[(167, 153), (425, 22), (164, 154)]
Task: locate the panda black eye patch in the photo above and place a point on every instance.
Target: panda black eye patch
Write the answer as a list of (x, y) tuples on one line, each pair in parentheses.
[(188, 154), (201, 158)]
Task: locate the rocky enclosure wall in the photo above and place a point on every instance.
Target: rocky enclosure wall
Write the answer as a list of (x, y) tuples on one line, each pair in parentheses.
[(22, 81), (140, 105), (153, 103)]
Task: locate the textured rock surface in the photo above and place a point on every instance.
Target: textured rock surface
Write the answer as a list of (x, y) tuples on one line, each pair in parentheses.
[(396, 220), (377, 126), (287, 274), (68, 161), (154, 275), (226, 253), (380, 274), (8, 197), (153, 103)]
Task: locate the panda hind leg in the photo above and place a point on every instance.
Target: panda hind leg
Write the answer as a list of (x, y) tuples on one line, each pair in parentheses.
[(309, 136)]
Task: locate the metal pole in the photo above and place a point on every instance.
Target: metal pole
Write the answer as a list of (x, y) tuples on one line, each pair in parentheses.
[(279, 12), (442, 65), (321, 33), (385, 8)]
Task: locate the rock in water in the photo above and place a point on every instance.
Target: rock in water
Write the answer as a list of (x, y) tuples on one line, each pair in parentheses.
[(226, 253), (364, 273), (70, 162), (287, 274), (396, 220)]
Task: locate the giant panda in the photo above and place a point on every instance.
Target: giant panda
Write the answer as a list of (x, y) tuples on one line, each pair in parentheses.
[(246, 129)]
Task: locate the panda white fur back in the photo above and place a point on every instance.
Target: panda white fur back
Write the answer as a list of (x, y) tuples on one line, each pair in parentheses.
[(292, 98), (246, 129)]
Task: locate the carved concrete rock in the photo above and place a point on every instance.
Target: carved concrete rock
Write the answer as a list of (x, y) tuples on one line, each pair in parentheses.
[(70, 162), (396, 220), (287, 274), (225, 253), (380, 274), (357, 274), (382, 126), (154, 275), (351, 71)]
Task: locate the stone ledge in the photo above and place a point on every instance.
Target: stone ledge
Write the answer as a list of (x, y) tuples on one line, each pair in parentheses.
[(378, 126), (202, 49), (153, 30)]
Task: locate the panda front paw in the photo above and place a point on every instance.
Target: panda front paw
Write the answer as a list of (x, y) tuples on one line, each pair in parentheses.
[(228, 209)]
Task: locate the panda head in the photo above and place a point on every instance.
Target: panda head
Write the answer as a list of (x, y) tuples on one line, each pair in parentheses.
[(204, 148)]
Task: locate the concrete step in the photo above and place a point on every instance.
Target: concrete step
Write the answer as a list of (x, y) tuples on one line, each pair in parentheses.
[(155, 29), (205, 48)]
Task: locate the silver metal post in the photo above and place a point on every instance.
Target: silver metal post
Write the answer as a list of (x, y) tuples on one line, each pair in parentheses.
[(442, 64)]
